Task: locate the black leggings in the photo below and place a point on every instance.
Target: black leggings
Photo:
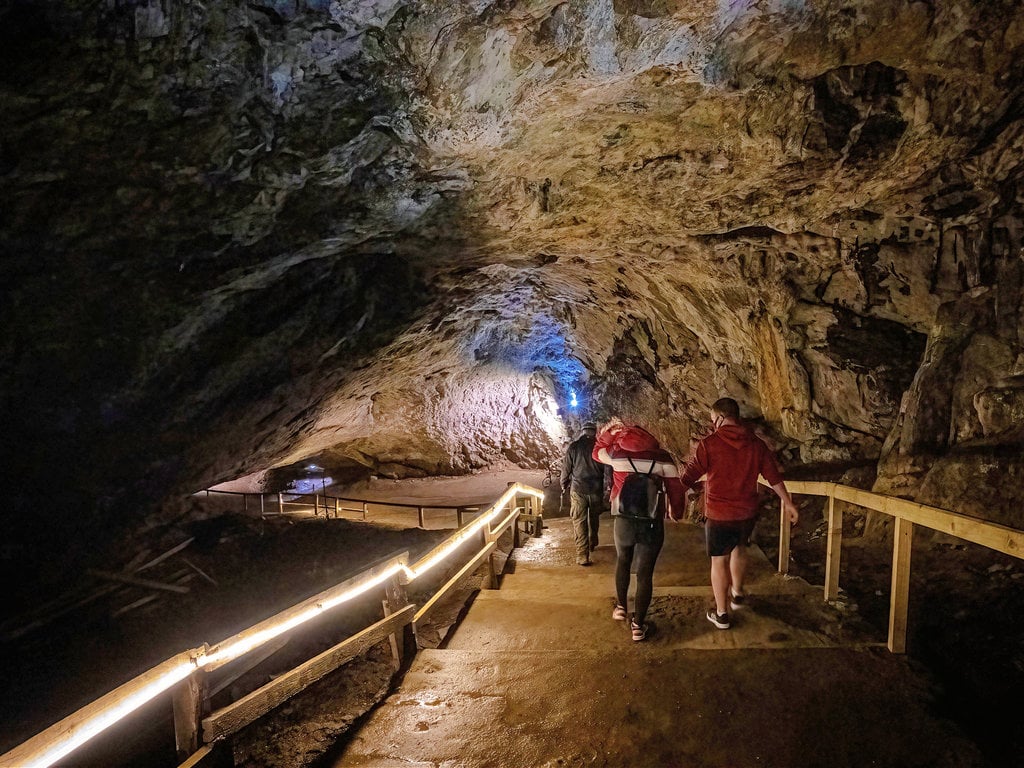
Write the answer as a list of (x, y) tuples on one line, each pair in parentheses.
[(643, 541)]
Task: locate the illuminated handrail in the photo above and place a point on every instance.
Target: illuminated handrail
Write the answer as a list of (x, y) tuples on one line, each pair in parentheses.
[(907, 514), (67, 735)]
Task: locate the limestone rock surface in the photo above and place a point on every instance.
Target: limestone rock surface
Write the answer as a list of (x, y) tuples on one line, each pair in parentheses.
[(402, 237)]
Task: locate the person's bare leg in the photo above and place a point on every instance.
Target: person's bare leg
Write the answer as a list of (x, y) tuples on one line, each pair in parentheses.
[(720, 582), (738, 560)]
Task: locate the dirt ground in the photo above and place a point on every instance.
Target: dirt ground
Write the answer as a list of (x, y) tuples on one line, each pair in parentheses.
[(966, 618), (966, 626)]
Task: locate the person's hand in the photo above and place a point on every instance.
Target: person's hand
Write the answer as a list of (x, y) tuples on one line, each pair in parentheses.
[(791, 512), (613, 426)]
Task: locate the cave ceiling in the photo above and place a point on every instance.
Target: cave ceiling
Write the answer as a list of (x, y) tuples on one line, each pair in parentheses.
[(397, 236)]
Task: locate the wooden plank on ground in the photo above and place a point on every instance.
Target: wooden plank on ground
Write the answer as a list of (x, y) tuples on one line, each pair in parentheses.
[(235, 716), (172, 551), (200, 571), (137, 582)]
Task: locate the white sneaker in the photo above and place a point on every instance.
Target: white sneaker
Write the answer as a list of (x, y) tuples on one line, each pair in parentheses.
[(736, 601)]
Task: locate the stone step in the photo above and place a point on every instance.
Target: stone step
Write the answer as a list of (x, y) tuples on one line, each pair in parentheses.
[(504, 623), (641, 705)]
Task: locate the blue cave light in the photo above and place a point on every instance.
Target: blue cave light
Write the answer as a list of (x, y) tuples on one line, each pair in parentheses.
[(541, 347)]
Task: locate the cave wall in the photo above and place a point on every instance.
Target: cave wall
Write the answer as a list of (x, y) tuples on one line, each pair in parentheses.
[(396, 236)]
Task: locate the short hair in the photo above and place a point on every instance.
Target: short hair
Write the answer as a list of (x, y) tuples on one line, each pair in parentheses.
[(726, 406), (589, 427)]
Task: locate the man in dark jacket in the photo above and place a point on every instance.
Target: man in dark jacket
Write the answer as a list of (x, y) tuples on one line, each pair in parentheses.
[(583, 479), (732, 457)]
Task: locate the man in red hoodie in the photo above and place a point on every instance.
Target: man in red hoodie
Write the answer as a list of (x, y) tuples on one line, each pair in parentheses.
[(732, 457), (631, 450)]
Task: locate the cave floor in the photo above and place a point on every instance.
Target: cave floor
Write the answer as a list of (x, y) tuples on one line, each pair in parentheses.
[(554, 680), (538, 674)]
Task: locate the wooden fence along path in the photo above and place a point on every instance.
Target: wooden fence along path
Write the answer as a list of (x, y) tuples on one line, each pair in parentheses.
[(184, 676)]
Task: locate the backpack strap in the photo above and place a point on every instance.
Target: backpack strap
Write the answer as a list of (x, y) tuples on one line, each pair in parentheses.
[(648, 473)]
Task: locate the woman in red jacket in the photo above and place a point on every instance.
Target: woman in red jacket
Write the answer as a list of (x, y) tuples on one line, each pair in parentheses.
[(632, 450)]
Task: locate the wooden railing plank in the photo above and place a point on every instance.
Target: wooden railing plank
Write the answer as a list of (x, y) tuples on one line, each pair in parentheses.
[(253, 633), (65, 736), (235, 716), (197, 757), (469, 567), (499, 529), (100, 714), (1009, 541)]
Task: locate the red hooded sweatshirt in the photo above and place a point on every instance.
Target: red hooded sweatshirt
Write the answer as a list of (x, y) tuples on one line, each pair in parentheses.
[(732, 457), (642, 447)]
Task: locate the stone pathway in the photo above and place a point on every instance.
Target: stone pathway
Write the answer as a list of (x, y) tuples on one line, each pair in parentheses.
[(538, 674)]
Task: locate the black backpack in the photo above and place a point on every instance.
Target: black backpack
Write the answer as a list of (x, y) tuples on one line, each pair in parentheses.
[(639, 494)]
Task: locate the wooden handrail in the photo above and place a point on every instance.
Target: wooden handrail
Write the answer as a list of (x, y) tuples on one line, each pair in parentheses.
[(59, 739), (907, 514), (186, 671), (331, 497)]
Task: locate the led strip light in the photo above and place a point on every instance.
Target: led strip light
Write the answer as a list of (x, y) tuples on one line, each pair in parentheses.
[(62, 738)]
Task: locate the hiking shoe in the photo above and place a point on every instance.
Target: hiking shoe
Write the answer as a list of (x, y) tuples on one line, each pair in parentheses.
[(619, 613), (639, 631), (736, 601), (720, 620)]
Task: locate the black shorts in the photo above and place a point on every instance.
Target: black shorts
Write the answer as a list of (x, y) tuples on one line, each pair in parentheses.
[(723, 536)]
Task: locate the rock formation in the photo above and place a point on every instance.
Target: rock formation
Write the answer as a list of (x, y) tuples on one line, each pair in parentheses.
[(399, 237)]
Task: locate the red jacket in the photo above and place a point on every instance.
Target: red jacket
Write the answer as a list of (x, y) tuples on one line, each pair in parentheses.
[(642, 447), (732, 457)]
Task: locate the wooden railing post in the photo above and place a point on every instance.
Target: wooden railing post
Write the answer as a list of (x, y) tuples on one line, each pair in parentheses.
[(459, 511), (395, 600), (364, 511), (189, 699), (261, 504), (280, 504), (833, 549), (491, 579), (419, 516), (784, 531), (903, 538)]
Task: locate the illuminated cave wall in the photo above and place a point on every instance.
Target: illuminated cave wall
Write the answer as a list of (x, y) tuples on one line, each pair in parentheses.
[(387, 236)]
